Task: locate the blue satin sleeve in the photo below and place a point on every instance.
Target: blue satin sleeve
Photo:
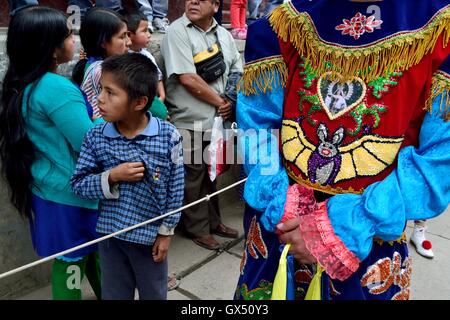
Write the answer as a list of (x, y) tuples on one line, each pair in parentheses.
[(259, 119), (419, 188)]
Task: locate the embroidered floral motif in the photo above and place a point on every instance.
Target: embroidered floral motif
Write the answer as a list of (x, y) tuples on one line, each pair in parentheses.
[(358, 25), (338, 98), (382, 84), (243, 262), (254, 244), (362, 110), (309, 73), (315, 105), (380, 277), (263, 292)]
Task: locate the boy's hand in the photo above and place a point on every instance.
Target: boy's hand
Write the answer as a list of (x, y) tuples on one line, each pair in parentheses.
[(160, 247), (128, 171)]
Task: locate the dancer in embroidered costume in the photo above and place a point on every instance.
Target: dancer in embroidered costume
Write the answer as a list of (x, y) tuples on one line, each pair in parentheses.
[(362, 101)]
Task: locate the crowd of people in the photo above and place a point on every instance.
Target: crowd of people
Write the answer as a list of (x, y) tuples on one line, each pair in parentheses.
[(118, 143), (242, 13)]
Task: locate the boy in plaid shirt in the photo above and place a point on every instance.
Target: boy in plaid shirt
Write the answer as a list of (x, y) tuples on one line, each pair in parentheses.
[(134, 165)]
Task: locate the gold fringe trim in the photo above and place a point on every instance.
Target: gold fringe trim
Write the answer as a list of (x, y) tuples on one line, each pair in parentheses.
[(396, 53), (400, 240), (262, 75), (440, 86)]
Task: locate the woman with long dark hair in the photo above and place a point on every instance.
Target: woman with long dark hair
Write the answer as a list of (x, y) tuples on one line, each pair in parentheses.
[(43, 119)]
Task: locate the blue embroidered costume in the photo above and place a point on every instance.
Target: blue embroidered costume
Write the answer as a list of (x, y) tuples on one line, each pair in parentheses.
[(348, 86)]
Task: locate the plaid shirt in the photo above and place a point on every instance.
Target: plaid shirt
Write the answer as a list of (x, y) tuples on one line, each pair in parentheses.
[(160, 191)]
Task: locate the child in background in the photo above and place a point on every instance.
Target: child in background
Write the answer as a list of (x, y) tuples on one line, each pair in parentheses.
[(103, 33), (138, 31), (238, 15), (134, 165), (43, 120)]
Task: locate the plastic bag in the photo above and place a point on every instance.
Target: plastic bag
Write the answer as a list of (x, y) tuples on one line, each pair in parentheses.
[(283, 288), (217, 152), (280, 283), (315, 287)]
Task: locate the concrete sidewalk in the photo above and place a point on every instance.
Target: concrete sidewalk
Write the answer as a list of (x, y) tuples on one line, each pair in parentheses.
[(213, 275)]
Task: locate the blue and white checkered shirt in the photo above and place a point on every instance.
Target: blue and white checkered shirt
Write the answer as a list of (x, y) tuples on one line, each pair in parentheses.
[(129, 203)]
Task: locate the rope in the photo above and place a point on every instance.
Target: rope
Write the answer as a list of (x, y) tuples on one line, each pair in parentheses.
[(38, 262)]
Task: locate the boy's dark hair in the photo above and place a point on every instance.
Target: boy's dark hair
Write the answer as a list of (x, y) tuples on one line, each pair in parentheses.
[(133, 19), (135, 73)]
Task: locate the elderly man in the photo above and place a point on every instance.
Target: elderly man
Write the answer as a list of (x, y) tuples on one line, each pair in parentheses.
[(196, 97)]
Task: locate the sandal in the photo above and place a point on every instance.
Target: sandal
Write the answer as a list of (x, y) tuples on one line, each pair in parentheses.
[(172, 283)]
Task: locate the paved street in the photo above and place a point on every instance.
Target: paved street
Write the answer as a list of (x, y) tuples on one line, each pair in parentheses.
[(208, 275)]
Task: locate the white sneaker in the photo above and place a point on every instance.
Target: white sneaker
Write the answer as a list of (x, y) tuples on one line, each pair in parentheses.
[(422, 245), (161, 25)]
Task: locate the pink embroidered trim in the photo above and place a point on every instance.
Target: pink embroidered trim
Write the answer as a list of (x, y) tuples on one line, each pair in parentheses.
[(299, 200), (321, 241)]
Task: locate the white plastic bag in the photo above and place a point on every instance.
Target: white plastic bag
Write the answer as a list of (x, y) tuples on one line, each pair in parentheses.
[(217, 151)]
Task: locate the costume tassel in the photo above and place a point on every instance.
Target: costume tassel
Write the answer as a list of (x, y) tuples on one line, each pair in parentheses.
[(262, 75), (440, 88)]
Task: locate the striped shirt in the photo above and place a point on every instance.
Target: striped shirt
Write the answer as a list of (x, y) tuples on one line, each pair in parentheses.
[(129, 203), (91, 84)]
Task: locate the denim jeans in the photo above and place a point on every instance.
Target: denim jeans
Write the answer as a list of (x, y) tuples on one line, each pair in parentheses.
[(85, 5), (19, 4), (253, 10), (154, 8)]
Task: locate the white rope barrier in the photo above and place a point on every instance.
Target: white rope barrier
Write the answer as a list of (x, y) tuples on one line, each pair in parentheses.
[(38, 262)]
